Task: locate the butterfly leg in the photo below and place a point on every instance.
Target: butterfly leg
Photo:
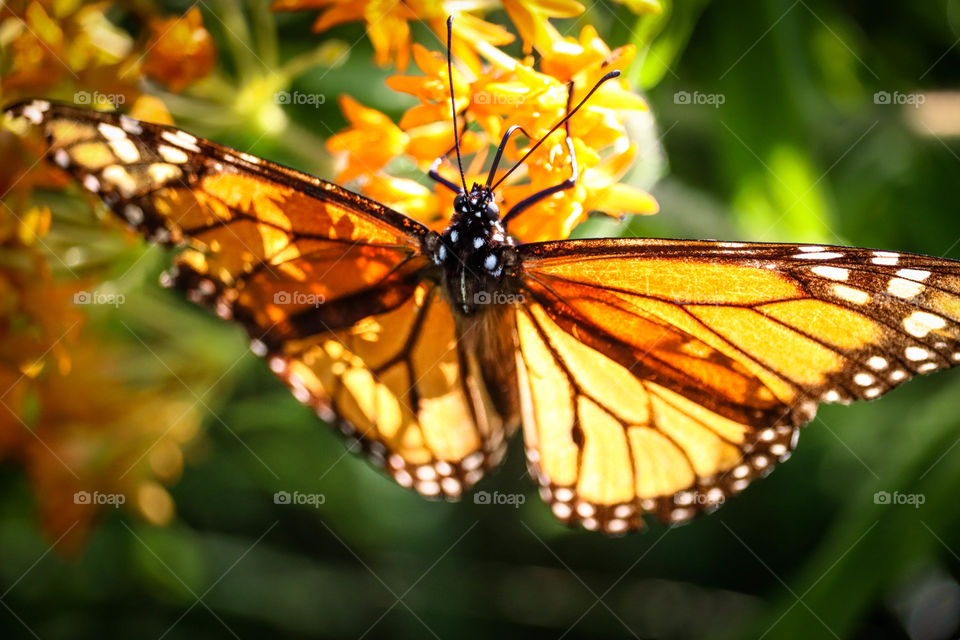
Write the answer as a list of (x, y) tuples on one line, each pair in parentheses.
[(531, 200)]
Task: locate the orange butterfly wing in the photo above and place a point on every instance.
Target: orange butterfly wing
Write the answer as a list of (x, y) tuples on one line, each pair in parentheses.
[(662, 376), (329, 284)]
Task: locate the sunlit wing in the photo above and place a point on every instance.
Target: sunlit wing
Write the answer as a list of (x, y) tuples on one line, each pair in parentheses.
[(328, 283), (408, 385), (663, 376)]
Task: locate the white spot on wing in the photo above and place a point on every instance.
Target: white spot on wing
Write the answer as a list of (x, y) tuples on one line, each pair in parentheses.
[(616, 526), (914, 274), (833, 273), (904, 288), (133, 214), (920, 323), (863, 379), (877, 362), (916, 353), (160, 172), (130, 125), (120, 179), (172, 154), (33, 113), (111, 132), (125, 150), (61, 158), (850, 294), (181, 139)]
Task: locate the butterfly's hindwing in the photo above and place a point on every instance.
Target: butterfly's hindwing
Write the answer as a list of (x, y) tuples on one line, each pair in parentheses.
[(404, 387)]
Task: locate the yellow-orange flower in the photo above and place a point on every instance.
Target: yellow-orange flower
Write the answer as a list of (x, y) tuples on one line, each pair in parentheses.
[(506, 93), (388, 24), (77, 55), (373, 132), (432, 89), (180, 51), (68, 414), (531, 17)]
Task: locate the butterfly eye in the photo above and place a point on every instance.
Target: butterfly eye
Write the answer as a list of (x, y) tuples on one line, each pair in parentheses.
[(460, 203), (491, 210)]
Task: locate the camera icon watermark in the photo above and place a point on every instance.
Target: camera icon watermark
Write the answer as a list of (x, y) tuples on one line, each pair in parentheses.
[(496, 498), (99, 499), (497, 297), (98, 297), (899, 98), (297, 498), (298, 97), (97, 97), (912, 499), (298, 298), (697, 98)]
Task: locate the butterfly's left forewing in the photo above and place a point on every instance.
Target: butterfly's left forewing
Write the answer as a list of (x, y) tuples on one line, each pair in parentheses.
[(663, 376), (330, 285)]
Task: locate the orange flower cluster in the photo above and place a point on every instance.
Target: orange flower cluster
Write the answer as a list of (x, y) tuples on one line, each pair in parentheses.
[(180, 50), (506, 93), (388, 22), (68, 413), (73, 52)]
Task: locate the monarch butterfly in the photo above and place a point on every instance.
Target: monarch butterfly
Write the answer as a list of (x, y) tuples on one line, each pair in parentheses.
[(649, 376)]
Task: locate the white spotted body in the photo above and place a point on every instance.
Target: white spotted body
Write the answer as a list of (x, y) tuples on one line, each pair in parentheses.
[(475, 254)]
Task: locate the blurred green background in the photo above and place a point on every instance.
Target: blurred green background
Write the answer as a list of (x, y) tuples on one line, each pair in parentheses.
[(802, 148)]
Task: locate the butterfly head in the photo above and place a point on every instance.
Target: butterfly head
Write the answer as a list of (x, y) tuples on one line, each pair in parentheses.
[(479, 203), (475, 253)]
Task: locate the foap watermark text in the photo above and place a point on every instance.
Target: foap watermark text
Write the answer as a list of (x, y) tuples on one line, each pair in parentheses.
[(912, 499), (497, 498), (698, 98), (310, 499)]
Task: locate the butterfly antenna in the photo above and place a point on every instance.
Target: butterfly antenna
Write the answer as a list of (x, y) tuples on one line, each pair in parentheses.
[(609, 76), (453, 103)]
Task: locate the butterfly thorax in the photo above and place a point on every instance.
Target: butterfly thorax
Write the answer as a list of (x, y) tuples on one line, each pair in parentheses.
[(475, 254)]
